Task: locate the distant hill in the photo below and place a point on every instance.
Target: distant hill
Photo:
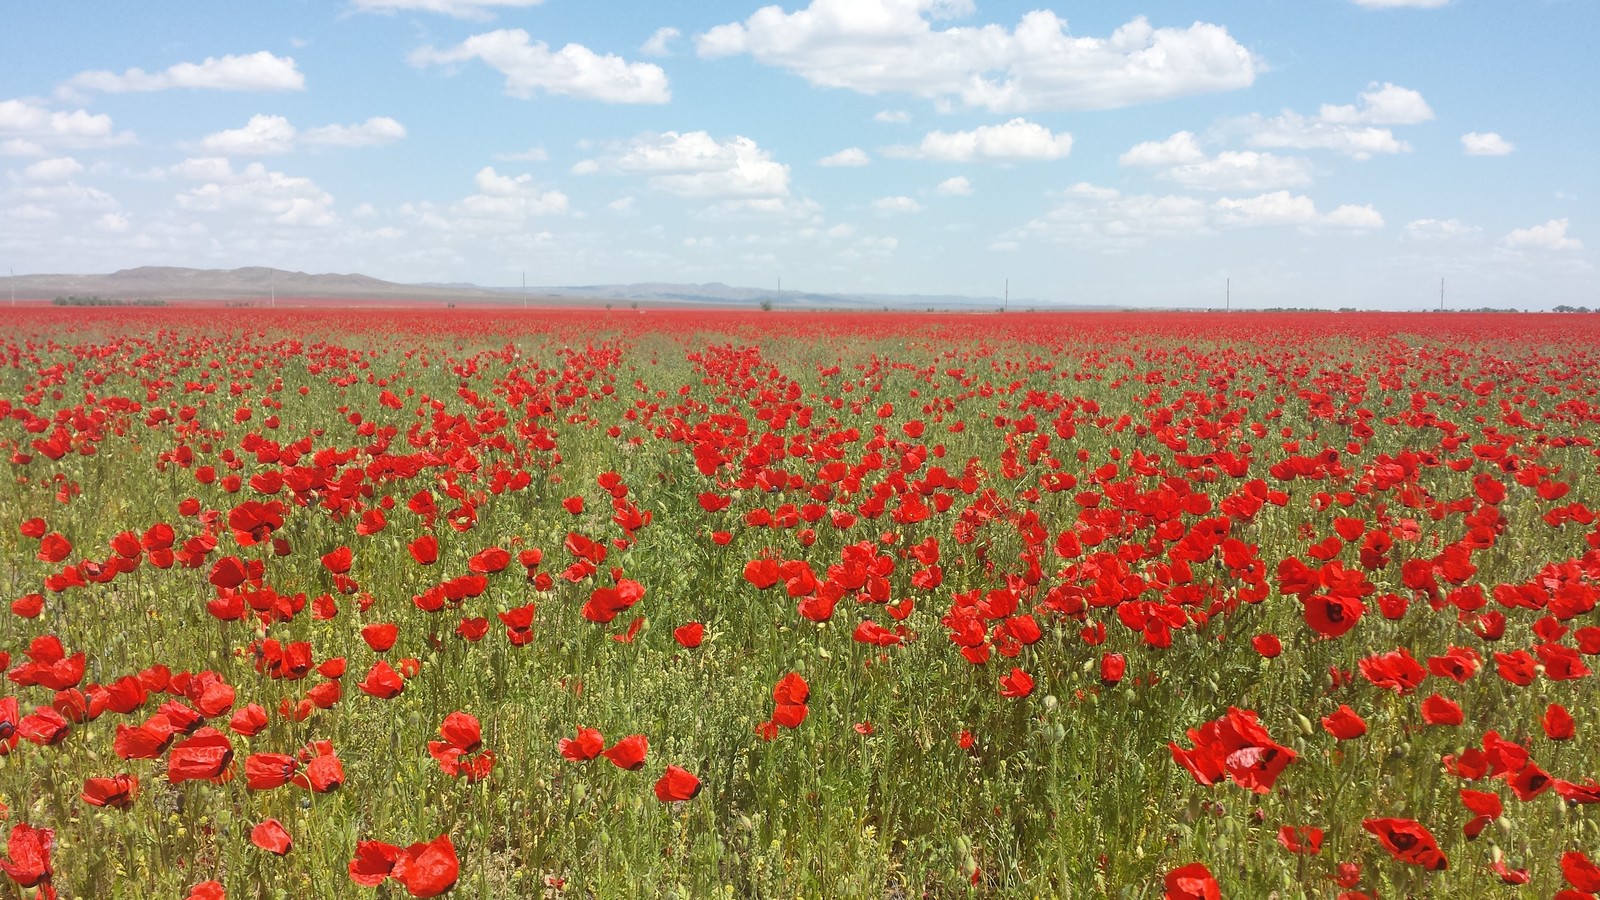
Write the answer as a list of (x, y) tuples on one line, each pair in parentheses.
[(257, 283)]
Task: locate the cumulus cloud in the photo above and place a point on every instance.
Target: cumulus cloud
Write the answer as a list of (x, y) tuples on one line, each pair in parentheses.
[(507, 197), (29, 128), (1094, 212), (259, 71), (261, 135), (255, 191), (660, 43), (531, 68), (958, 186), (265, 135), (1552, 235), (880, 46), (849, 156), (1180, 148), (371, 133), (886, 206), (1242, 171), (694, 164), (460, 9), (1016, 140), (60, 168), (1352, 129), (1486, 144), (892, 116)]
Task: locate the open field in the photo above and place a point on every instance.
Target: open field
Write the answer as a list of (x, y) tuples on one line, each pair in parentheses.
[(608, 604)]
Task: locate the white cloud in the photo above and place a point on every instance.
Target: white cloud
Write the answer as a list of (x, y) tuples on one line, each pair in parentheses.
[(1276, 208), (1283, 208), (621, 206), (30, 127), (660, 43), (532, 154), (261, 135), (259, 71), (879, 46), (20, 147), (1180, 148), (1352, 129), (1242, 171), (1439, 231), (506, 197), (886, 206), (958, 186), (274, 196), (1552, 235), (112, 223), (849, 156), (1088, 211), (1396, 4), (461, 9), (576, 71), (371, 133), (1017, 139), (264, 135), (1384, 104), (1355, 218), (1486, 144), (60, 168), (694, 164), (892, 116)]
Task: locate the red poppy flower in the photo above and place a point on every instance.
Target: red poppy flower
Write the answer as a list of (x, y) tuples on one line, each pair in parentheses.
[(1113, 666), (425, 550), (1580, 871), (429, 869), (1192, 882), (208, 890), (206, 756), (27, 858), (1437, 710), (629, 752), (383, 681), (1558, 723), (380, 636), (1267, 645), (272, 837), (1016, 684), (1409, 842), (689, 635), (676, 785), (1302, 839), (117, 792), (373, 862), (791, 689), (585, 746)]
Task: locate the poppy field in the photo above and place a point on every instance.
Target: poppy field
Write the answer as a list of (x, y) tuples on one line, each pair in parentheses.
[(562, 603)]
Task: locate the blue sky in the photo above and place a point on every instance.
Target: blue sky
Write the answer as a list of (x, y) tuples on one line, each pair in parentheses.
[(1315, 152)]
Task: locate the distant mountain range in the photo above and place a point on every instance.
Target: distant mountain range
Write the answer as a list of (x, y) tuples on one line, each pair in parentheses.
[(257, 283)]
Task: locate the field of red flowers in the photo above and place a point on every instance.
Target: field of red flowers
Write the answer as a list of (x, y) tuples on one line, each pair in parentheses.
[(620, 604)]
